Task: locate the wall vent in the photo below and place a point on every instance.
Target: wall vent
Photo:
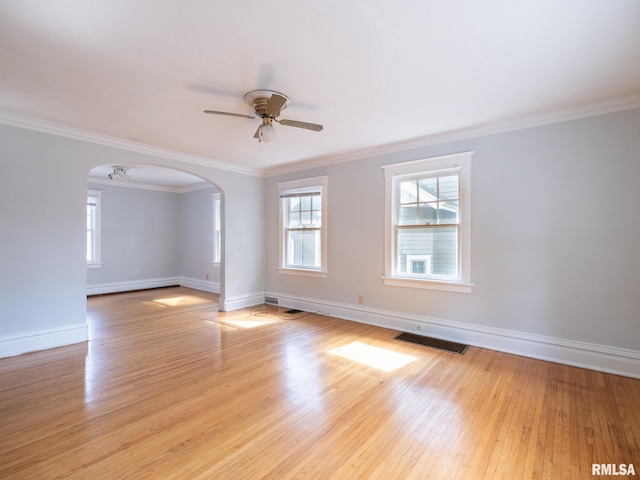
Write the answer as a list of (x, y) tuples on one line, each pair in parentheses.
[(271, 300)]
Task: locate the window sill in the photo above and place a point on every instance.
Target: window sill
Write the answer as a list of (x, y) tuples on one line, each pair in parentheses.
[(303, 272), (94, 265), (459, 287)]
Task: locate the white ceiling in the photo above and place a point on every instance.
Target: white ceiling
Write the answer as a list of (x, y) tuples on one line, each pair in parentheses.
[(373, 72)]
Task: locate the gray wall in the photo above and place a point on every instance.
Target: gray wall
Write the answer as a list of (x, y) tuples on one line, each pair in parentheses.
[(42, 220), (154, 238), (554, 234), (196, 236), (140, 235)]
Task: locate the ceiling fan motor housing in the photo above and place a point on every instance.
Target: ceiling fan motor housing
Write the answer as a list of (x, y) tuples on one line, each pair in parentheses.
[(259, 101)]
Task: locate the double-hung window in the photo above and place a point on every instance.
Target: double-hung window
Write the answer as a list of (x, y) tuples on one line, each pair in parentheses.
[(93, 229), (303, 227), (427, 242)]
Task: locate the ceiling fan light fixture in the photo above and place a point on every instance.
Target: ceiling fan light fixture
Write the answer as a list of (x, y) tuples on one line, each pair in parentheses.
[(267, 133)]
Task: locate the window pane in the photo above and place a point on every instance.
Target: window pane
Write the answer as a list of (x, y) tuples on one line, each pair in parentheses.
[(303, 248), (448, 187), (428, 189), (90, 253), (316, 219), (294, 220), (407, 215), (449, 212), (305, 218), (427, 213), (437, 244), (305, 203), (294, 204), (408, 192)]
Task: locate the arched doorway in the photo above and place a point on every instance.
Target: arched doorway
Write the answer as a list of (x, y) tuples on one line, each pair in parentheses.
[(150, 226)]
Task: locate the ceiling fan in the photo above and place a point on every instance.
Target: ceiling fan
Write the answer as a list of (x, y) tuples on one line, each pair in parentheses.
[(119, 173), (267, 105)]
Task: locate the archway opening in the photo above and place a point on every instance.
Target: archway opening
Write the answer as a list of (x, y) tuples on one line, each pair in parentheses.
[(150, 226)]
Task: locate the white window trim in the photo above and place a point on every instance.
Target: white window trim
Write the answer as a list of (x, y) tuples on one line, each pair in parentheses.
[(313, 182), (460, 162), (97, 232), (217, 244)]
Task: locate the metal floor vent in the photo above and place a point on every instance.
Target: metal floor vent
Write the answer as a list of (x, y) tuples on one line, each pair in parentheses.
[(433, 342)]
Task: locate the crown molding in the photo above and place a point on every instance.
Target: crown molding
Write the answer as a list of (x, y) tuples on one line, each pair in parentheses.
[(492, 128), (29, 123)]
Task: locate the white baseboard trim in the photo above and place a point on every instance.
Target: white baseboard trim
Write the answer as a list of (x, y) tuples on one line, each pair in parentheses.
[(129, 286), (579, 354), (116, 287), (243, 301), (43, 340), (203, 285)]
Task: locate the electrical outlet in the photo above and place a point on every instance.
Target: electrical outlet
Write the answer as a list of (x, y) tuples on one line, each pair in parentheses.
[(360, 299), (206, 276)]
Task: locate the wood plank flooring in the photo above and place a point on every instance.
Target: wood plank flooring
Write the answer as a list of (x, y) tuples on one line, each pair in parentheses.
[(169, 388)]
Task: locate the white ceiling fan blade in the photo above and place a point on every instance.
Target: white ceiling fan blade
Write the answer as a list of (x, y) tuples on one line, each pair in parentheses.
[(295, 123), (229, 114)]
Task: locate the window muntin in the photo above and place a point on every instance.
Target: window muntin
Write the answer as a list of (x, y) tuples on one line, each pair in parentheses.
[(303, 228), (427, 239)]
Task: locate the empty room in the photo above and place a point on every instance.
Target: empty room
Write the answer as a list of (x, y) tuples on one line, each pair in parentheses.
[(337, 240)]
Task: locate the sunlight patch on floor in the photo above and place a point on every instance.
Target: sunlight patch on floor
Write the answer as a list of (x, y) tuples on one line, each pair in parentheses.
[(375, 357), (251, 322), (244, 323), (180, 300)]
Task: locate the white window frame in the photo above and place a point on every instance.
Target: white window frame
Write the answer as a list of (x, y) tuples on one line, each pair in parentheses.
[(436, 166), (96, 195), (217, 232), (302, 186)]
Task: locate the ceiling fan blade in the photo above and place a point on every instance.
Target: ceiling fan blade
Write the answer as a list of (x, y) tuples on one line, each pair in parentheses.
[(229, 114), (295, 123), (275, 104)]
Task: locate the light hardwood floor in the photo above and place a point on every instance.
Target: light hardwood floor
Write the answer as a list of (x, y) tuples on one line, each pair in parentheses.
[(168, 388)]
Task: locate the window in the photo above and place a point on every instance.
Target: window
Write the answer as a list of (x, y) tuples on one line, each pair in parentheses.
[(427, 241), (303, 227), (93, 229), (217, 235)]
